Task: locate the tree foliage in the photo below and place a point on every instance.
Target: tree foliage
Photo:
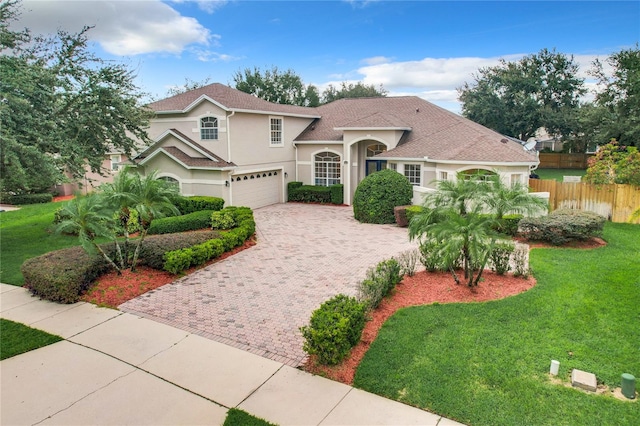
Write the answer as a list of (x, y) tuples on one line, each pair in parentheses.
[(614, 163), (616, 112), (350, 90), (187, 86), (62, 108), (518, 98), (277, 86)]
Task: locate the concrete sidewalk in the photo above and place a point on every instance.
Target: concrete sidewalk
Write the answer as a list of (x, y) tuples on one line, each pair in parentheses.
[(115, 368)]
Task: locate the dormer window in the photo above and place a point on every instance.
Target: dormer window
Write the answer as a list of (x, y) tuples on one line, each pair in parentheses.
[(209, 128)]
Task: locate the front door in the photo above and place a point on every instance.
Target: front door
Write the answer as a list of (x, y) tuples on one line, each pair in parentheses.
[(375, 166)]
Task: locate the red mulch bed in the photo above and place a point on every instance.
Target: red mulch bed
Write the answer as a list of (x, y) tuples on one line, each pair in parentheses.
[(426, 288), (112, 290), (63, 198)]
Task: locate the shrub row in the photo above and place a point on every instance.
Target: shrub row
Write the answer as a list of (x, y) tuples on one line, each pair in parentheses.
[(509, 224), (297, 192), (379, 283), (334, 329), (562, 226), (179, 260), (198, 203), (23, 199), (63, 275), (188, 222)]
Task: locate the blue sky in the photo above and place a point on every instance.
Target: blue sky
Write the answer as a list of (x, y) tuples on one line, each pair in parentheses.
[(423, 48)]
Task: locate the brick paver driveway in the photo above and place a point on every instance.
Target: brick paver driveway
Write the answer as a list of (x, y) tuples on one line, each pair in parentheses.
[(257, 299)]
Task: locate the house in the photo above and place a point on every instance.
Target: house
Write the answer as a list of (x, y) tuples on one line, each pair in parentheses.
[(221, 142)]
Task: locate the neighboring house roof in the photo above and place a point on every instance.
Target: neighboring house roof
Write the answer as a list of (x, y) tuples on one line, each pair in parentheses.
[(430, 131), (228, 99), (207, 160)]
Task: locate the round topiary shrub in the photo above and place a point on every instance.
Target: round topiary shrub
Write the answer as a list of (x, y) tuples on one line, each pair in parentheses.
[(378, 194)]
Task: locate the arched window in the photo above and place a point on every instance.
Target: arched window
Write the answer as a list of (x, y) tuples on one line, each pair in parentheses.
[(208, 128), (375, 149), (327, 169), (171, 181), (477, 174)]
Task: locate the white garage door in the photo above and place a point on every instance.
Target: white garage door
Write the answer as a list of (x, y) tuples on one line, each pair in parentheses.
[(257, 189)]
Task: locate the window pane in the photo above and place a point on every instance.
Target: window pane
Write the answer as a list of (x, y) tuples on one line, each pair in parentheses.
[(327, 169), (276, 131), (412, 172), (208, 128)]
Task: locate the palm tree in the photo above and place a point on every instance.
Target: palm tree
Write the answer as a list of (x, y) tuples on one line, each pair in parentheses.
[(120, 195), (152, 198), (90, 219), (503, 199)]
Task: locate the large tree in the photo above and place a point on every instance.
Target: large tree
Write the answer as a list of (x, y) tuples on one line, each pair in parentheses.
[(351, 90), (62, 107), (616, 112), (277, 86), (518, 98)]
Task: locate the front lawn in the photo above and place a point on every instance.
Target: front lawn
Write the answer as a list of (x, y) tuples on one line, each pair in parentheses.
[(558, 174), (28, 233), (487, 363), (18, 338)]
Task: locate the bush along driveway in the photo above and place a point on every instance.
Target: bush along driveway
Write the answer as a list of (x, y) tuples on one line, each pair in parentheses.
[(257, 299)]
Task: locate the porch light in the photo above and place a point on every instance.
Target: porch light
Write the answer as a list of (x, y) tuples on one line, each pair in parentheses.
[(286, 175)]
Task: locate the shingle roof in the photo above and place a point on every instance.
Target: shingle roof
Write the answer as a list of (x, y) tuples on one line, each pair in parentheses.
[(230, 99), (209, 159), (435, 132)]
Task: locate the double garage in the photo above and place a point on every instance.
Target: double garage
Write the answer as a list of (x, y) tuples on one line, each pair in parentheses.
[(256, 189)]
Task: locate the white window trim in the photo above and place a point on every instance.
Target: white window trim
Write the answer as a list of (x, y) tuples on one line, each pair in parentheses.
[(404, 172), (314, 162), (115, 160), (277, 144), (200, 128)]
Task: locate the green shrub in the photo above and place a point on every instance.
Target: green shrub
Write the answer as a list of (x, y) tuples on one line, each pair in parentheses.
[(292, 187), (499, 257), (198, 203), (337, 193), (183, 258), (311, 194), (63, 275), (408, 260), (334, 329), (562, 226), (430, 255), (23, 199), (411, 211), (521, 262), (378, 194), (222, 220), (155, 246), (509, 223), (379, 282), (188, 222)]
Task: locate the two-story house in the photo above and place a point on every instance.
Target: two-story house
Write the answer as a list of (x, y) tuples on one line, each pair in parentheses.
[(222, 142)]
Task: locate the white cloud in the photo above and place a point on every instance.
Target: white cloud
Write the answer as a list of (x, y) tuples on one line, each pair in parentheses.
[(205, 55), (376, 60), (121, 27)]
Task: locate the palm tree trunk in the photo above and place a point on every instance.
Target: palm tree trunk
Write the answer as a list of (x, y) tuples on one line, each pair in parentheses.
[(136, 253), (108, 258), (455, 276)]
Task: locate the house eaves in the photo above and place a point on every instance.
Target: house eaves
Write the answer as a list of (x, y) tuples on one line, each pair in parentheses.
[(187, 141), (318, 142), (370, 129), (194, 104), (274, 113), (183, 163)]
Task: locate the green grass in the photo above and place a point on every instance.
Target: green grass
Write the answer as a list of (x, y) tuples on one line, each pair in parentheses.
[(18, 338), (236, 417), (557, 174), (28, 233), (488, 363)]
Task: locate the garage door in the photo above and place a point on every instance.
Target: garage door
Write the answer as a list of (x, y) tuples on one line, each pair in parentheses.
[(257, 189)]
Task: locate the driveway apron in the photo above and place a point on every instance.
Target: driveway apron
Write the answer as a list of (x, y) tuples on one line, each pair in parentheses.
[(257, 299)]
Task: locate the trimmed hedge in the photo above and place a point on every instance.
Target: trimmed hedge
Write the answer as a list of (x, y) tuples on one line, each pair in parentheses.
[(154, 247), (334, 329), (297, 192), (23, 199), (379, 282), (411, 211), (509, 224), (177, 261), (378, 194), (188, 222), (63, 275), (198, 203), (562, 226)]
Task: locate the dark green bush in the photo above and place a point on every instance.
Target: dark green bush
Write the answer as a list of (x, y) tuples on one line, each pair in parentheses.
[(334, 329), (198, 203), (378, 194), (499, 257), (188, 222), (562, 226), (63, 275), (291, 189), (23, 199), (431, 256), (508, 225), (337, 193), (310, 194), (155, 246)]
